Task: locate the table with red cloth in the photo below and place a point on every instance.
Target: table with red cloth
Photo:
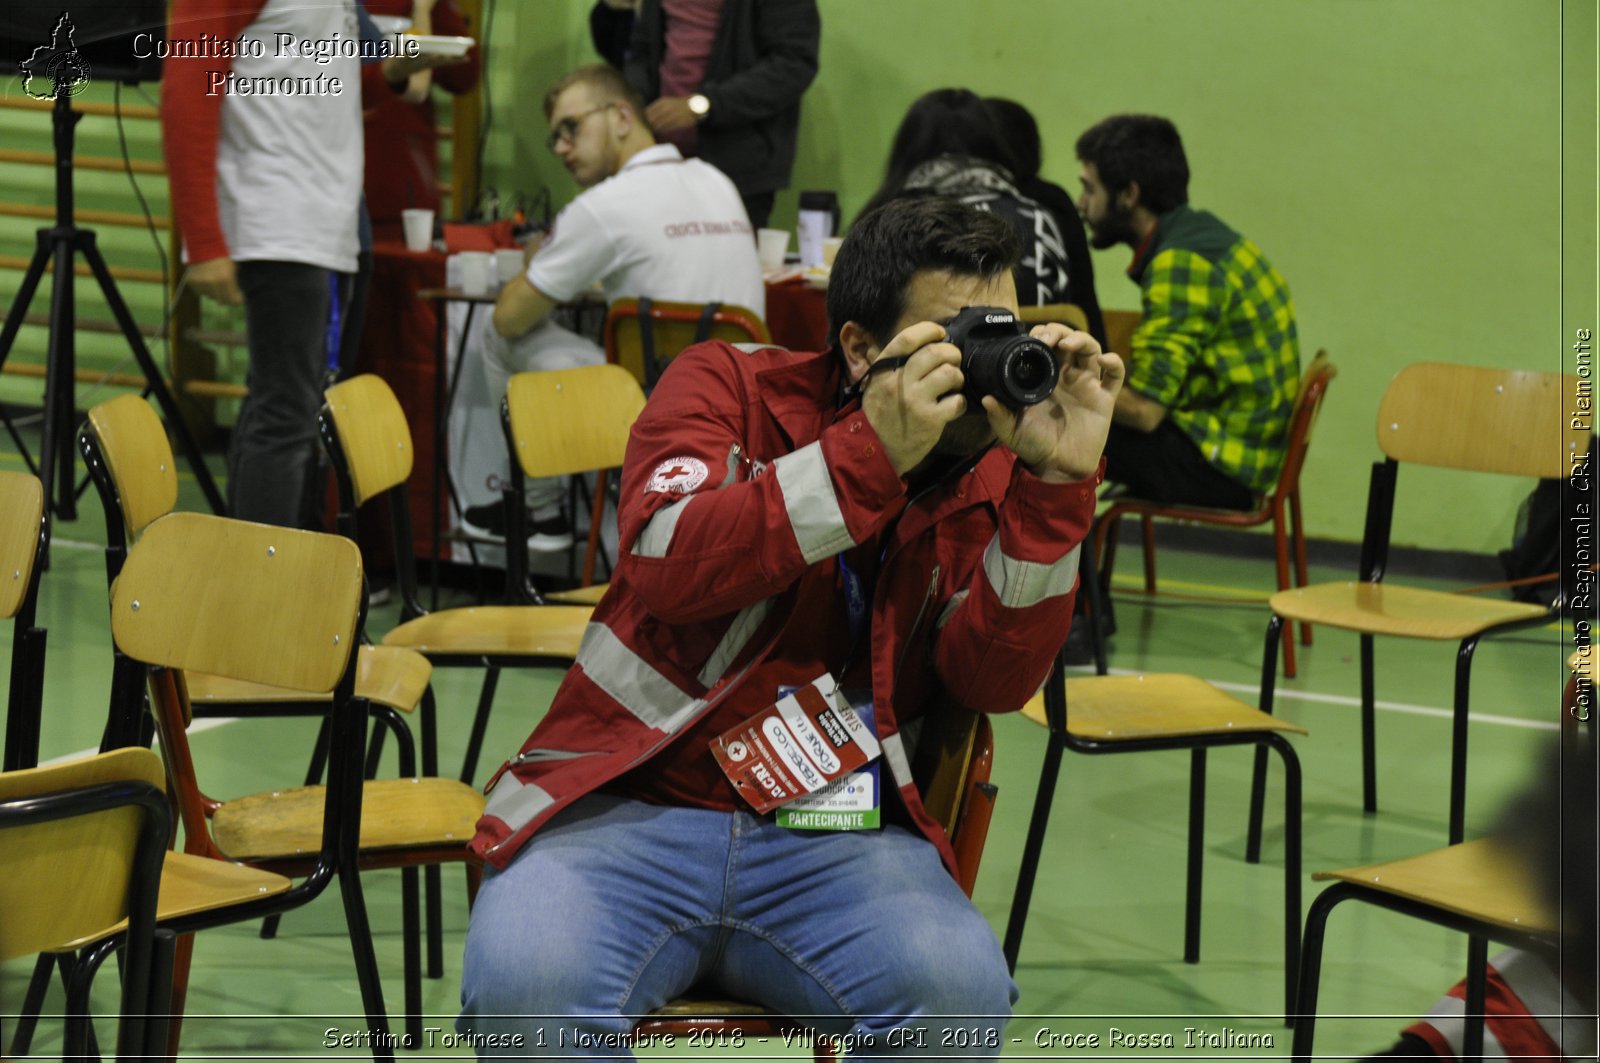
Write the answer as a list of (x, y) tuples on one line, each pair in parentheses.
[(397, 344), (797, 315)]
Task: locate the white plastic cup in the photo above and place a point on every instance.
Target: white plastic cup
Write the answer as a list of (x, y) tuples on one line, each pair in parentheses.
[(830, 250), (418, 223), (476, 269), (771, 246), (507, 263)]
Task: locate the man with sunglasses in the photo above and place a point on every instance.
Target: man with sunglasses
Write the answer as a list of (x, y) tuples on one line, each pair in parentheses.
[(649, 223)]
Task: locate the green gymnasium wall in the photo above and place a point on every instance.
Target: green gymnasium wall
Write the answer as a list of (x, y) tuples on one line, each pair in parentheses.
[(1422, 171)]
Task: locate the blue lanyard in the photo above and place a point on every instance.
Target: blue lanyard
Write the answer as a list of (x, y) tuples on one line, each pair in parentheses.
[(858, 608)]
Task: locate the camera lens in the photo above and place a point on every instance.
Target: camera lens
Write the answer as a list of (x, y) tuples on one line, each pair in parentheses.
[(1027, 372)]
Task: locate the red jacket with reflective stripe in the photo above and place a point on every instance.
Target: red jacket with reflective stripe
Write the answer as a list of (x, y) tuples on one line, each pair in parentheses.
[(742, 483)]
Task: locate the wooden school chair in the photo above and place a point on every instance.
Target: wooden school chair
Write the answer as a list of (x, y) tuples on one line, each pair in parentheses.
[(642, 335), (366, 435), (23, 535), (1461, 417), (98, 826), (1145, 713), (283, 607), (565, 422), (1279, 506)]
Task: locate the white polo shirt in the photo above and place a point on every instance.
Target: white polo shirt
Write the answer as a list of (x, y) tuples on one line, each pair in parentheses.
[(663, 226)]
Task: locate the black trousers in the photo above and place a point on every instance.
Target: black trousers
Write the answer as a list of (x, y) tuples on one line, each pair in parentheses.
[(1167, 466)]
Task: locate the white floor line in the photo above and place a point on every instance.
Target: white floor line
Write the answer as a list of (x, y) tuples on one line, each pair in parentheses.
[(194, 728), (1254, 690)]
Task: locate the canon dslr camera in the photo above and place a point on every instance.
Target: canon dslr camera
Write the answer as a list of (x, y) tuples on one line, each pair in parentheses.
[(999, 358)]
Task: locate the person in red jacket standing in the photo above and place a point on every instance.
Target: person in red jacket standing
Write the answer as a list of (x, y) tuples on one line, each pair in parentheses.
[(812, 544)]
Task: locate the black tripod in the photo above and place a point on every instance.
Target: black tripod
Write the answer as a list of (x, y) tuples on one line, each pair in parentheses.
[(59, 245)]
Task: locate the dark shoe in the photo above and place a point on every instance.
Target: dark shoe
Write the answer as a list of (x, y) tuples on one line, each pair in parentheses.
[(544, 536), (1079, 649)]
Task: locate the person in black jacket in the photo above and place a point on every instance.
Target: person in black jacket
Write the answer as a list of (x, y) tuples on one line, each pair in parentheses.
[(724, 82), (1021, 133)]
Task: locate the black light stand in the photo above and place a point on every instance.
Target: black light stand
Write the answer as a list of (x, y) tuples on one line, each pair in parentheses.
[(59, 245)]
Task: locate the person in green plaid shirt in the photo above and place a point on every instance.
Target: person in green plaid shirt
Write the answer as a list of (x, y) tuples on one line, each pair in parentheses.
[(1215, 364)]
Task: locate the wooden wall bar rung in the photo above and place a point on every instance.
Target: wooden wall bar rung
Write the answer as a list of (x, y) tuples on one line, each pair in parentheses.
[(84, 162), (124, 218), (121, 273), (99, 110)]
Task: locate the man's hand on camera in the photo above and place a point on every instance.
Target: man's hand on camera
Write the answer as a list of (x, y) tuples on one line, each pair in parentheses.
[(909, 407), (1061, 439)]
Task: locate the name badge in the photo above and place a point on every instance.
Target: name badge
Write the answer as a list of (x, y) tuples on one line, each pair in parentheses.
[(801, 744)]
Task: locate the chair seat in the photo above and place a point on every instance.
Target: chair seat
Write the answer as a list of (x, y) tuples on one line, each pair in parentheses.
[(503, 630), (1387, 609), (385, 675), (1117, 708), (395, 813), (589, 596), (191, 884), (1479, 879)]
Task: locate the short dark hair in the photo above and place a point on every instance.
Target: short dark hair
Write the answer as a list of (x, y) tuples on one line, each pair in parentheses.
[(1021, 132), (1143, 148), (606, 81), (891, 243)]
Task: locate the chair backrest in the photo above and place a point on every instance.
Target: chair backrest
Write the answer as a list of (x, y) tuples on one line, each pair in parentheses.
[(70, 868), (566, 421), (246, 601), (21, 540), (1486, 420), (672, 327), (1066, 313), (374, 437), (1307, 406), (1120, 326), (138, 459)]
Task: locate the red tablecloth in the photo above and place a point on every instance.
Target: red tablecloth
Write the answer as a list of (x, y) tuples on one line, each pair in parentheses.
[(797, 316), (397, 343)]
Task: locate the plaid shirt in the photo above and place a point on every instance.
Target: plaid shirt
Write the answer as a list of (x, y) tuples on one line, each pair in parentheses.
[(1217, 345)]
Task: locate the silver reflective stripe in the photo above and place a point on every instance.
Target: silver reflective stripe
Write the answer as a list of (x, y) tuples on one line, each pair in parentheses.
[(949, 609), (516, 803), (757, 348), (894, 755), (734, 641), (1020, 584), (813, 508), (656, 537), (633, 684)]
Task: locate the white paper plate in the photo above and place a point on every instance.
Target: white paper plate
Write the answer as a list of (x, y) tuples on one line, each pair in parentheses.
[(429, 45)]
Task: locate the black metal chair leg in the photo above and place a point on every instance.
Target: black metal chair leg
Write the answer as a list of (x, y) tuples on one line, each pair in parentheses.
[(1291, 869), (1305, 1018), (1458, 741), (1258, 776), (433, 907), (366, 961), (411, 945), (1369, 724), (44, 969), (1477, 991), (1197, 845), (158, 1018), (1037, 823), (480, 723)]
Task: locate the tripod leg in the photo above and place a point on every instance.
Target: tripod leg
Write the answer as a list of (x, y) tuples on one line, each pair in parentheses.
[(152, 374), (55, 447)]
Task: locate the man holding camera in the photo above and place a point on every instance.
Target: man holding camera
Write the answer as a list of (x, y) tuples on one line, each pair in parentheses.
[(795, 527)]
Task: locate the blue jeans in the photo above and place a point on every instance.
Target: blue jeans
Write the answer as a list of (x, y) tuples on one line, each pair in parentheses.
[(617, 907)]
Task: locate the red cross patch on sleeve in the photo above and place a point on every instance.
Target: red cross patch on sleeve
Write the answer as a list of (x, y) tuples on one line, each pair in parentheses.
[(678, 476)]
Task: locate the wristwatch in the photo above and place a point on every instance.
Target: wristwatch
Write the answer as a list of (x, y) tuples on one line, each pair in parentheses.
[(699, 106)]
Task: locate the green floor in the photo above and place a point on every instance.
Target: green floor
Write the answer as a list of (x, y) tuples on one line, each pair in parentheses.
[(1102, 956)]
